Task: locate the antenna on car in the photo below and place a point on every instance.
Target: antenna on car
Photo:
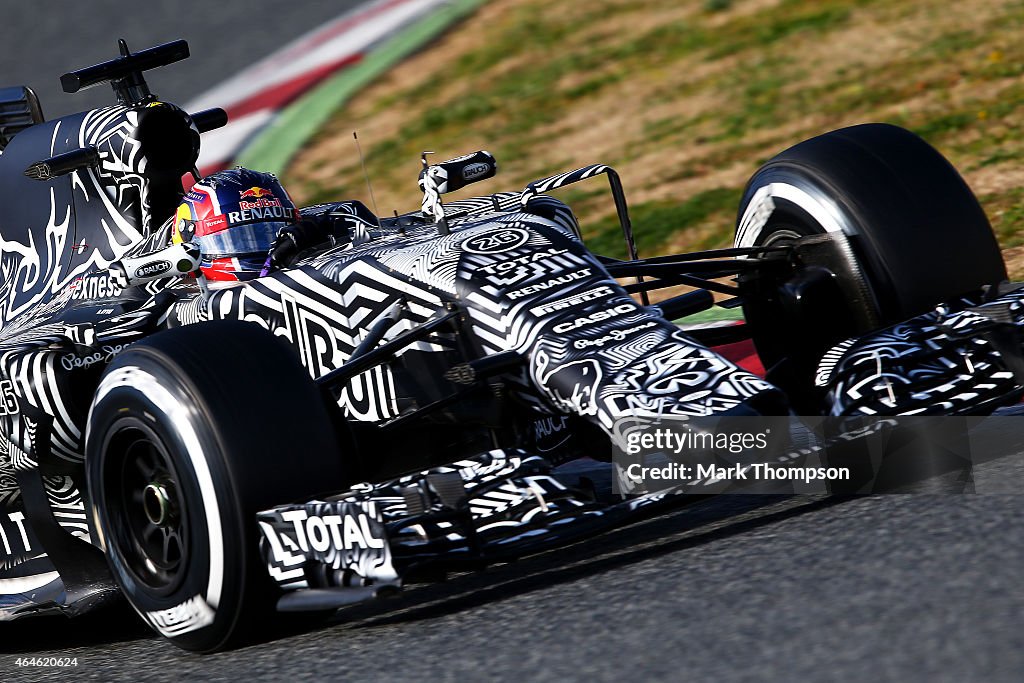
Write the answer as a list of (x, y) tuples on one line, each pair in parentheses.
[(366, 176)]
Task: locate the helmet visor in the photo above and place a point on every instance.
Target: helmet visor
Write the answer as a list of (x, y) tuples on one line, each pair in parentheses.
[(240, 240)]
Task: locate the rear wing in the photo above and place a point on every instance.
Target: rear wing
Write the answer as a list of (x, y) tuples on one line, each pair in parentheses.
[(19, 109)]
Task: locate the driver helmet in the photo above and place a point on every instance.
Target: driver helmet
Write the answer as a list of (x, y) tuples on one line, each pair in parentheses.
[(233, 216)]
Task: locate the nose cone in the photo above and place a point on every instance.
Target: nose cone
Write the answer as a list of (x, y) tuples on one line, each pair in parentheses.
[(573, 386)]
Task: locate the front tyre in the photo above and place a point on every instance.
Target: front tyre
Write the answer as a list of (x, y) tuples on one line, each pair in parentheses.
[(192, 432), (916, 234), (899, 229)]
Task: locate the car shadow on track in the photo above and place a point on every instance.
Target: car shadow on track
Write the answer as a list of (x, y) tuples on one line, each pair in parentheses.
[(115, 622), (701, 521), (698, 523), (695, 525), (704, 520)]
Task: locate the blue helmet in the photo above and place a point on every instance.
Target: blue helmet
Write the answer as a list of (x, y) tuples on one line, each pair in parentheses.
[(234, 216)]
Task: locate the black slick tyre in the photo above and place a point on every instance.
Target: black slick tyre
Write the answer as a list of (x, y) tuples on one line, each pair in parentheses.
[(191, 432)]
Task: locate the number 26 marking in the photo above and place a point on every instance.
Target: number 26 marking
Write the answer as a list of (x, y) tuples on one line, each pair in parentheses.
[(9, 402)]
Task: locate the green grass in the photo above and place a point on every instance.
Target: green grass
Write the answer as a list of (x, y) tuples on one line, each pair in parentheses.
[(776, 24), (691, 96), (951, 45), (657, 222), (713, 315), (1006, 211)]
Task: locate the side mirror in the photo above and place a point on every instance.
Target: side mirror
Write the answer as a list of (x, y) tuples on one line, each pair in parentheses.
[(455, 174), (173, 261), (448, 176)]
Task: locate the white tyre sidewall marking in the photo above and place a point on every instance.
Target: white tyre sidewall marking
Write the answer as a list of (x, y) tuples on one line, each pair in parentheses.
[(761, 206)]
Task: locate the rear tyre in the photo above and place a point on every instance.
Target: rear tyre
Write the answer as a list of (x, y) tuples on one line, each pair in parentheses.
[(192, 432), (903, 230)]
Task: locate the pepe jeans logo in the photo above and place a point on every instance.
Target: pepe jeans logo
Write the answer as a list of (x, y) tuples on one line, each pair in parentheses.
[(613, 336), (72, 361), (496, 241)]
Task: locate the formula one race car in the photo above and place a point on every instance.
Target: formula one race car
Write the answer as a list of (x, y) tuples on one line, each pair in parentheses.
[(405, 400)]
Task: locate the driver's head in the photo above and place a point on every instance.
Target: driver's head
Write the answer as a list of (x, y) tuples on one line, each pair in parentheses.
[(234, 217)]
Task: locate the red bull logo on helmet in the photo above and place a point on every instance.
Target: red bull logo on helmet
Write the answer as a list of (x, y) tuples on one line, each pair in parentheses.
[(255, 193), (261, 197)]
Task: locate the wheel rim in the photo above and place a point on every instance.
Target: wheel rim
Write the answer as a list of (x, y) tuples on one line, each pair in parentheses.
[(782, 235), (148, 521)]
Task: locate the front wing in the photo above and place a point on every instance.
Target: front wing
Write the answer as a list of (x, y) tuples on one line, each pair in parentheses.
[(495, 507)]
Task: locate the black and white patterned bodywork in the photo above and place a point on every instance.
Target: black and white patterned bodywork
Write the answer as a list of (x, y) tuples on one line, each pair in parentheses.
[(498, 277), (56, 240), (514, 270), (963, 358)]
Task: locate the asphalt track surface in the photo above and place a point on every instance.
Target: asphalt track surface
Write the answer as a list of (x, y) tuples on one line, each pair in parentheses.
[(892, 587), (42, 39)]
